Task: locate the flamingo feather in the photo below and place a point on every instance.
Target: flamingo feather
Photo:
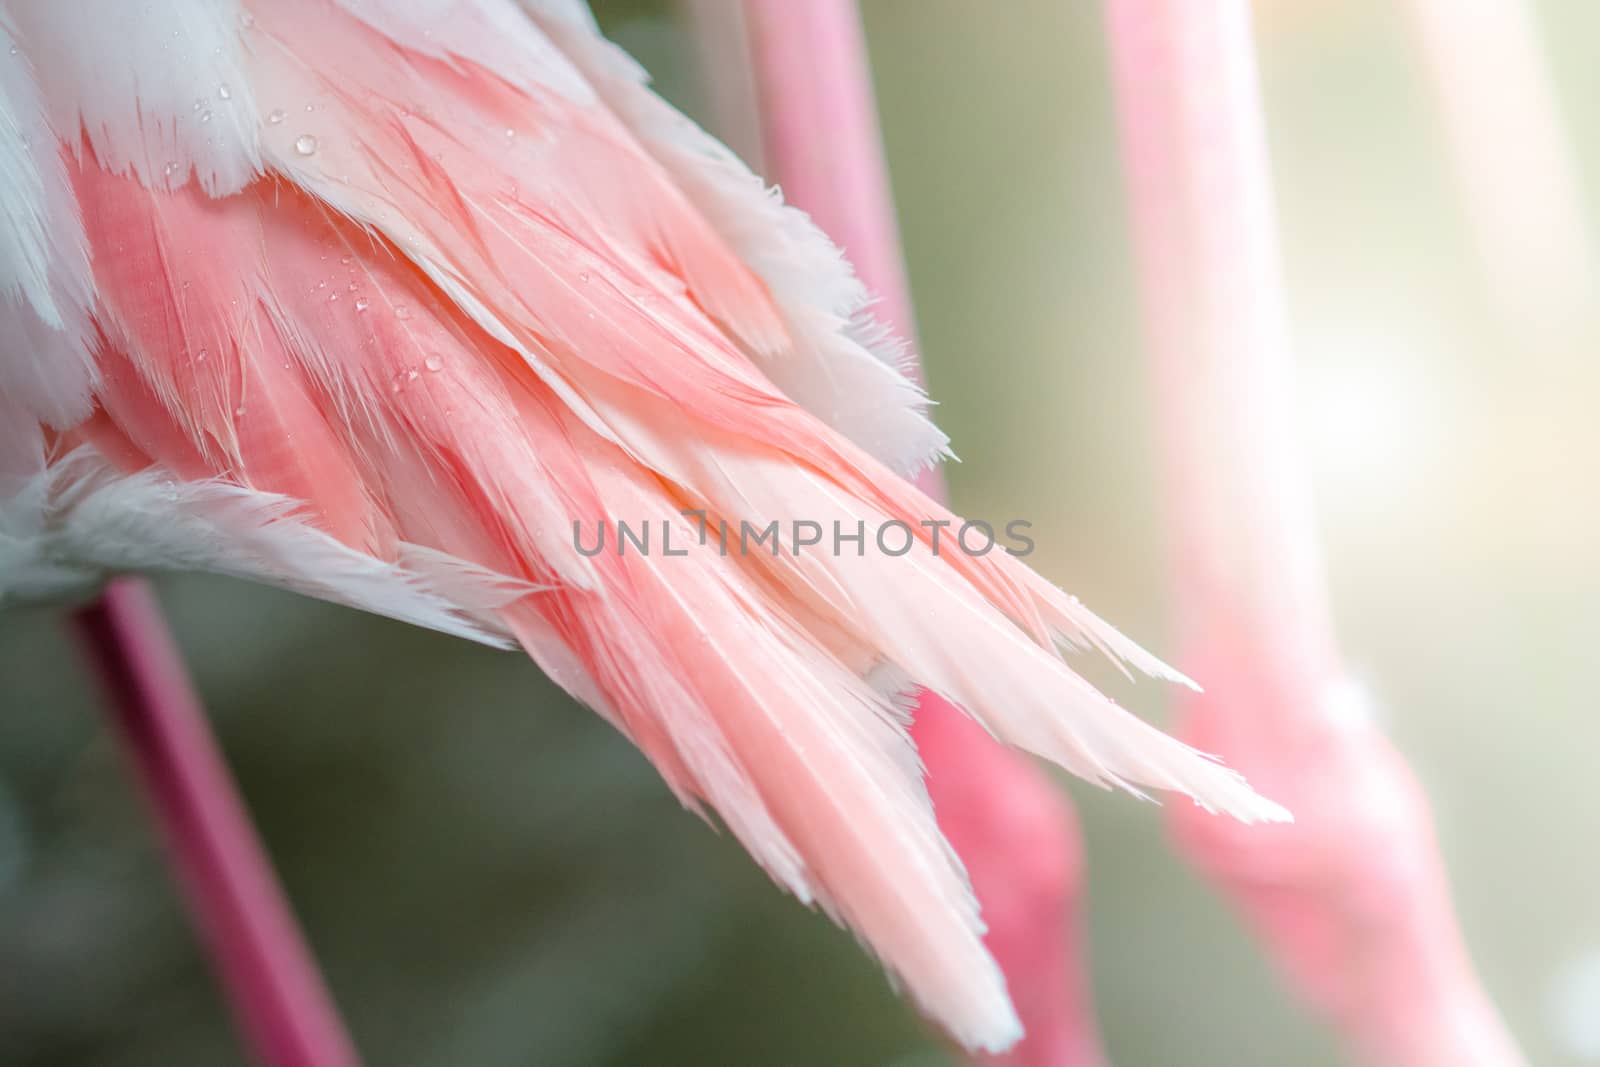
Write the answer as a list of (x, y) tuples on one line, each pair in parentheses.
[(375, 301)]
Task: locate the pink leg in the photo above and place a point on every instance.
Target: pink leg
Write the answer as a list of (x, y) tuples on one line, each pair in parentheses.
[(1513, 162), (268, 974), (1011, 826), (1020, 842), (1352, 897)]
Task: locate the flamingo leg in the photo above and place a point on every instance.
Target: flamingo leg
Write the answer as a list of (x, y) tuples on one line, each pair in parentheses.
[(1352, 898), (268, 973), (1014, 830), (1513, 161)]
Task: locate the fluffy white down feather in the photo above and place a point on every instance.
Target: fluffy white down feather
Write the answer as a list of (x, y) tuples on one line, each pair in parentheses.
[(79, 518), (45, 287)]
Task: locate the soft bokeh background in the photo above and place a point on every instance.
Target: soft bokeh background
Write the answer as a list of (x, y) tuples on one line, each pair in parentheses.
[(492, 877)]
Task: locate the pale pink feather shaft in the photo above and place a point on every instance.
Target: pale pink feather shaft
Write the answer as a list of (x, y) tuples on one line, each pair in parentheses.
[(1009, 823), (1352, 898)]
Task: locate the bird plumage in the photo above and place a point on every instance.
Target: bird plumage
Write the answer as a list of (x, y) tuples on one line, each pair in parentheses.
[(376, 300)]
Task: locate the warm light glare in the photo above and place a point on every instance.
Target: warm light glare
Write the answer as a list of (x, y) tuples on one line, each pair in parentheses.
[(1372, 422)]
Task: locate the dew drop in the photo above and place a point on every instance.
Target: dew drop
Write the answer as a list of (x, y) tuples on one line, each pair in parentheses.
[(311, 107), (361, 304), (305, 144), (434, 363), (347, 260), (510, 133), (584, 276), (276, 116), (223, 92), (412, 375), (402, 312), (200, 356), (333, 296), (205, 116), (171, 168), (199, 102)]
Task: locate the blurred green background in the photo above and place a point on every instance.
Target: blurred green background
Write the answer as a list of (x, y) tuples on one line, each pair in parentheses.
[(492, 877)]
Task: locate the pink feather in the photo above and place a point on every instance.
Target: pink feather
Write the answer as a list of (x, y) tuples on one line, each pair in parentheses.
[(461, 306)]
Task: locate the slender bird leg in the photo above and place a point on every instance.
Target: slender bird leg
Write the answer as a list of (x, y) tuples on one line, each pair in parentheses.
[(1019, 839), (1513, 162), (275, 990), (1013, 829), (1352, 897)]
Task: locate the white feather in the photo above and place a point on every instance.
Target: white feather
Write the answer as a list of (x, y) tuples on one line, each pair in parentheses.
[(158, 88), (45, 287), (494, 34), (80, 519)]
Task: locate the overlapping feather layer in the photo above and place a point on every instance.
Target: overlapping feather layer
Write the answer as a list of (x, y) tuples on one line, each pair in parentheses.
[(375, 299)]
